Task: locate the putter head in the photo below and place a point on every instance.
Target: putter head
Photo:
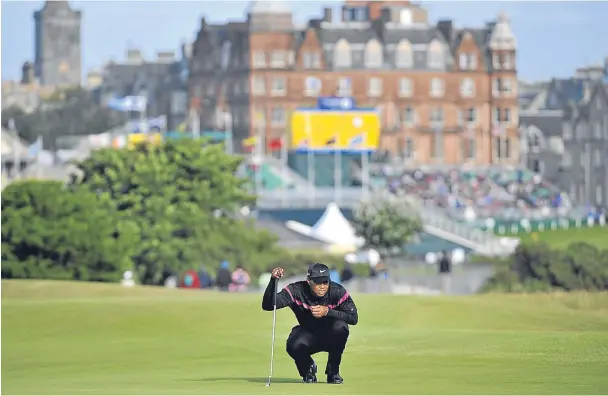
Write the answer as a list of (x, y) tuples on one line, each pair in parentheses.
[(267, 383)]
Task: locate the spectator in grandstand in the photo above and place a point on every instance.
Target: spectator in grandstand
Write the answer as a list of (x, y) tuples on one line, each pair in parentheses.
[(445, 270)]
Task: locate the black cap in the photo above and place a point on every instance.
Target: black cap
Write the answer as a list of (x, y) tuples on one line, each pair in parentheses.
[(318, 273)]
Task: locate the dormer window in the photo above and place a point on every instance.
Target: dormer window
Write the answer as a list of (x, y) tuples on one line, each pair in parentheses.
[(467, 61), (435, 55)]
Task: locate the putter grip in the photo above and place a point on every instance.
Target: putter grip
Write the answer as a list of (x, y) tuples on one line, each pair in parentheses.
[(274, 295)]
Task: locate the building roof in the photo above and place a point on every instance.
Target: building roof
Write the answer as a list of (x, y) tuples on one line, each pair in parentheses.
[(549, 122)]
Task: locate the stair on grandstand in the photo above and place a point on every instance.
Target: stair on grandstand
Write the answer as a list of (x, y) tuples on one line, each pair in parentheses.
[(482, 242), (275, 175)]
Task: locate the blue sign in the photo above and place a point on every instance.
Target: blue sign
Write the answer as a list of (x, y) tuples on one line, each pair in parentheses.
[(335, 103)]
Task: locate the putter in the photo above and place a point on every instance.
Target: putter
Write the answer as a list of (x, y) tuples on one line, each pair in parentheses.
[(274, 325)]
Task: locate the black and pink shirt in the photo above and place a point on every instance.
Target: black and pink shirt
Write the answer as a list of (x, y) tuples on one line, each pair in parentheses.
[(300, 298)]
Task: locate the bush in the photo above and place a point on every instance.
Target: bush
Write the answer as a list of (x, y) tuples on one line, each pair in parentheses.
[(49, 232), (535, 267)]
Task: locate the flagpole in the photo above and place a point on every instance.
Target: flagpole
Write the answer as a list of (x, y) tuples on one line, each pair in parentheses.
[(337, 170), (364, 173), (311, 165), (258, 161), (17, 156), (38, 167), (284, 169)]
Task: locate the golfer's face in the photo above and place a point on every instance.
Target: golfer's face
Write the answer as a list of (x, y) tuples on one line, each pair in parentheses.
[(319, 288)]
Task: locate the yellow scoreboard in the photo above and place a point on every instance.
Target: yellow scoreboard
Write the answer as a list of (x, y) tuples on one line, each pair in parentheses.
[(327, 130)]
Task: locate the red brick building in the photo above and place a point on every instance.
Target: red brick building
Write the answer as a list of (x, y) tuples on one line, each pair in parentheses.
[(445, 95)]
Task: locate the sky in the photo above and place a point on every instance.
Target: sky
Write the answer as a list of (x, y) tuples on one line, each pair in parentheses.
[(554, 38)]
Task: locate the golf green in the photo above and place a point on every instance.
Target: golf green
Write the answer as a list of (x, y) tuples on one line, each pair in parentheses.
[(79, 338)]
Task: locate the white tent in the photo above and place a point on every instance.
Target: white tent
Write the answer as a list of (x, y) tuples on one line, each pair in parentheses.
[(332, 228)]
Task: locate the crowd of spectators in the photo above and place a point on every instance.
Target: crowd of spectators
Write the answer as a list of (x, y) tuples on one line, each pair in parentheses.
[(470, 194)]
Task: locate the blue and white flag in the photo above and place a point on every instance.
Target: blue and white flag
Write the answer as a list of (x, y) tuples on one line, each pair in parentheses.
[(128, 103), (156, 124)]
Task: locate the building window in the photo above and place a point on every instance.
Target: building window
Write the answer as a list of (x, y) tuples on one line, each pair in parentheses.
[(496, 62), (467, 88), (408, 150), (342, 55), (278, 116), (279, 86), (259, 85), (311, 60), (437, 88), (506, 61), (496, 116), (312, 86), (598, 157), (467, 61), (436, 116), (277, 59), (344, 86), (502, 147), (470, 116), (373, 55), (405, 88), (535, 142), (435, 56), (468, 148), (374, 88), (502, 86), (507, 113), (259, 59), (409, 116), (404, 56)]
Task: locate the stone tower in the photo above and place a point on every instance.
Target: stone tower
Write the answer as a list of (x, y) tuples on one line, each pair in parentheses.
[(58, 44)]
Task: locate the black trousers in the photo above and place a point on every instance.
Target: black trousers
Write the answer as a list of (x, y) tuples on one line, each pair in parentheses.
[(302, 344)]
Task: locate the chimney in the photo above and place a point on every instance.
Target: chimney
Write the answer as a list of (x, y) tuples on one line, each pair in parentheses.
[(27, 73), (327, 15), (165, 56), (134, 56), (446, 28), (385, 15)]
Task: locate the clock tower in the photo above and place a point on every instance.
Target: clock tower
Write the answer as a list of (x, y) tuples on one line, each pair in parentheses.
[(58, 44)]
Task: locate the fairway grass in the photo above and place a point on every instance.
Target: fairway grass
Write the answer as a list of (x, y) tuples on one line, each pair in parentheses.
[(68, 338)]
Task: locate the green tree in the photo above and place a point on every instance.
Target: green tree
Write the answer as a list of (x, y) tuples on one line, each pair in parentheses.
[(53, 233), (185, 198), (536, 267), (386, 221)]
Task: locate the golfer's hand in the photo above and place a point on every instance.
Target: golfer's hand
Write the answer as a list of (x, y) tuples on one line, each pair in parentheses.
[(318, 311), (278, 273)]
